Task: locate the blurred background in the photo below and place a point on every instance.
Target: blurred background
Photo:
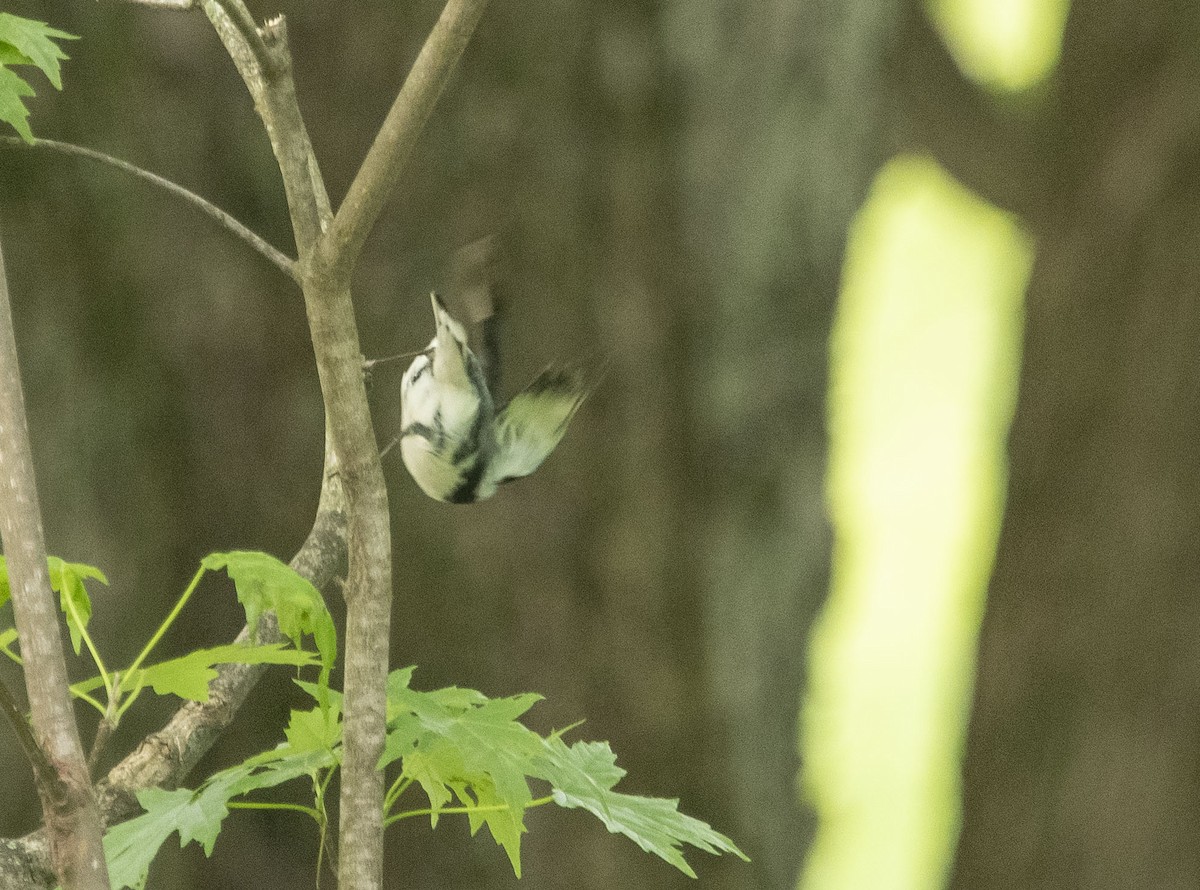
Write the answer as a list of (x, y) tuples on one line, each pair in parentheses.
[(823, 246)]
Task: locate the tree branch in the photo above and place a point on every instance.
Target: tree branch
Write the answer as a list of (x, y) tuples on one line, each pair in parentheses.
[(164, 758), (996, 152), (327, 273), (43, 770), (393, 144), (264, 62), (68, 807), (180, 5), (280, 260), (351, 451), (353, 516)]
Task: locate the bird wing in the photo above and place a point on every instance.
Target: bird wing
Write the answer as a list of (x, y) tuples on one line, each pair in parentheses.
[(477, 274), (534, 422)]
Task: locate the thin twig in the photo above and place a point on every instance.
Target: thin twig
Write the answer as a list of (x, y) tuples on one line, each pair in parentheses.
[(180, 5), (253, 36), (277, 258), (393, 144), (383, 452), (42, 768), (103, 733), (370, 364)]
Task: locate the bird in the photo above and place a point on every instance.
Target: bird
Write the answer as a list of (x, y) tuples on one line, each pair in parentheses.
[(457, 443)]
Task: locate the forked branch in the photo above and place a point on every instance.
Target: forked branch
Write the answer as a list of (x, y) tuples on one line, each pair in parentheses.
[(353, 516)]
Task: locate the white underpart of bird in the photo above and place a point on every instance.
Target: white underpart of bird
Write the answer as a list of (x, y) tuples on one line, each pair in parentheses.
[(456, 445)]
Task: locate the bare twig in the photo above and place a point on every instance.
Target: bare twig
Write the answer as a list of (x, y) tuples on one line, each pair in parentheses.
[(383, 452), (281, 261), (104, 732), (263, 60), (371, 364), (68, 807), (255, 38), (43, 770), (180, 5), (393, 144)]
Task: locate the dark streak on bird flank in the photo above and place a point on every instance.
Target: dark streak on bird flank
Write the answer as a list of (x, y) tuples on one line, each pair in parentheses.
[(421, 431), (439, 430), (468, 490), (421, 372), (471, 442)]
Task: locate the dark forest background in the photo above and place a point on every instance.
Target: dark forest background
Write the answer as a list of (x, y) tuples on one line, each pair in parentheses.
[(673, 183)]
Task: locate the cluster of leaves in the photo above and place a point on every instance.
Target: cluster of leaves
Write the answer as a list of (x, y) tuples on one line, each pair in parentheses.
[(263, 584), (454, 744), (26, 42), (469, 754)]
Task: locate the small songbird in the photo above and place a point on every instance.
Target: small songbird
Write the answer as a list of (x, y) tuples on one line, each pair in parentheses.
[(456, 444)]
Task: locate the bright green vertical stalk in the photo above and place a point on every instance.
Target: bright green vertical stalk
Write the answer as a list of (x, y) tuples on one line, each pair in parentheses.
[(925, 353)]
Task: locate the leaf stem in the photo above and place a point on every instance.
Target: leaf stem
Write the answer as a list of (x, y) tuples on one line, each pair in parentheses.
[(42, 768), (490, 808), (380, 171), (167, 622), (269, 805), (105, 677), (91, 700), (13, 655), (394, 793)]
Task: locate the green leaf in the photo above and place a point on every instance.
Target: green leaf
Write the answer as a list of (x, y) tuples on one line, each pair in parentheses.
[(266, 770), (457, 741), (324, 696), (131, 846), (506, 825), (433, 767), (35, 42), (197, 817), (189, 675), (26, 42), (583, 775), (319, 729), (10, 55), (7, 637), (5, 589), (265, 584), (66, 578), (487, 735)]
